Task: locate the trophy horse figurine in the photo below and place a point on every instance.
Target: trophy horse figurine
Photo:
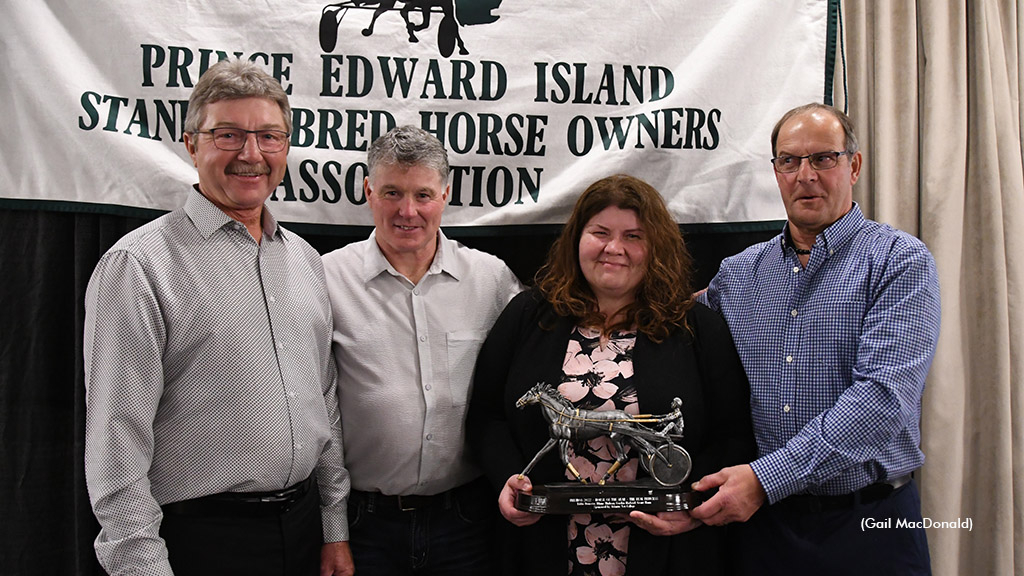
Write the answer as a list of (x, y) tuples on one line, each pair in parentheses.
[(656, 437)]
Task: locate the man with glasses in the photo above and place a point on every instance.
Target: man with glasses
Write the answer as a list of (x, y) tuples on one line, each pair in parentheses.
[(213, 442), (836, 320)]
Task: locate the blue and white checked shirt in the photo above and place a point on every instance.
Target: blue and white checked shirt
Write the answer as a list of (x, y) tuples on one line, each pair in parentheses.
[(836, 353)]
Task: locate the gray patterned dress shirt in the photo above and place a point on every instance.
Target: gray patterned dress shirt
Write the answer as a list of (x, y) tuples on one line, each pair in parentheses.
[(208, 369)]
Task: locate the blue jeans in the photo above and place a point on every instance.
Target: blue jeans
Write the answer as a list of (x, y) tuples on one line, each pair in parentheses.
[(451, 536)]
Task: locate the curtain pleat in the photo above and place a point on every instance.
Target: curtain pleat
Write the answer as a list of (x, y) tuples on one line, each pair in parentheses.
[(934, 90)]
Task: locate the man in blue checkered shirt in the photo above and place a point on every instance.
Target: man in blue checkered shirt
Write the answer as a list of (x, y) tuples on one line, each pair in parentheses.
[(836, 320)]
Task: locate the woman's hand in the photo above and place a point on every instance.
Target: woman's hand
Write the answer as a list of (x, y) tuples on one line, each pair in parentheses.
[(506, 501), (665, 523)]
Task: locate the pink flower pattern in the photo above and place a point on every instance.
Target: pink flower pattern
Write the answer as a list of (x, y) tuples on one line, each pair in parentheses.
[(598, 378)]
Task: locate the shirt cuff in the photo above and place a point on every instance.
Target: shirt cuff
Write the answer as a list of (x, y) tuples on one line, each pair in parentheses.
[(777, 475), (335, 522), (161, 567)]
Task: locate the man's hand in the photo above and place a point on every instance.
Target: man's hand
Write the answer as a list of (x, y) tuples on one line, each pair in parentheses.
[(664, 523), (740, 494), (507, 499), (336, 560)]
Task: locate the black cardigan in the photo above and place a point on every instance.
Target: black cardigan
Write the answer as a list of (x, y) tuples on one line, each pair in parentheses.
[(702, 368)]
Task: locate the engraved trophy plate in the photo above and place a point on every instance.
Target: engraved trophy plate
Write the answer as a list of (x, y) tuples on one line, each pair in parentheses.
[(575, 498)]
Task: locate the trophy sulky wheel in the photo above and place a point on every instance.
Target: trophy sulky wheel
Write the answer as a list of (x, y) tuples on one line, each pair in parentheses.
[(670, 464)]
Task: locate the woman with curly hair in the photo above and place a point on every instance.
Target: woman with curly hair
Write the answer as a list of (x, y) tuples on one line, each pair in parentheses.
[(613, 325)]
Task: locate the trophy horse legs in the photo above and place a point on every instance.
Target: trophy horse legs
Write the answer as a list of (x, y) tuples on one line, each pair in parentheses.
[(544, 450), (620, 456), (563, 449)]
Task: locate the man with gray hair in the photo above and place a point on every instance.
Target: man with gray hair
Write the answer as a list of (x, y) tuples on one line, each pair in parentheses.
[(836, 320), (411, 309), (213, 443)]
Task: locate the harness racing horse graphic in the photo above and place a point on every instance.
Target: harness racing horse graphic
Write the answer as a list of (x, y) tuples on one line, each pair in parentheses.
[(454, 13), (668, 463), (448, 22)]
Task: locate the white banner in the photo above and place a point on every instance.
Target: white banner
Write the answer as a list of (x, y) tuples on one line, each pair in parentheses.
[(534, 100)]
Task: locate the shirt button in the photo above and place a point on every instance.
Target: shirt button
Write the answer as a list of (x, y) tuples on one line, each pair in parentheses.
[(423, 338), (796, 269), (427, 387), (290, 394), (298, 446), (272, 299), (793, 313), (789, 358), (280, 345), (416, 292), (430, 436), (785, 408)]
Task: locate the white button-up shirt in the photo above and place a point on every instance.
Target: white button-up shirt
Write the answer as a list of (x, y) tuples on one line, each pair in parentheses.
[(405, 356)]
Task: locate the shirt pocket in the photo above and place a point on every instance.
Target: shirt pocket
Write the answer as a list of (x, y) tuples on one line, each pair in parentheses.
[(462, 348), (833, 334)]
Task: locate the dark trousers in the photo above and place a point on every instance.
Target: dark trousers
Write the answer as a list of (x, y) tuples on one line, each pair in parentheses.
[(449, 534), (792, 539), (226, 544)]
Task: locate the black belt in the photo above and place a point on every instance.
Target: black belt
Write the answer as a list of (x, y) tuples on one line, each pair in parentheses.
[(377, 502), (873, 493), (242, 503)]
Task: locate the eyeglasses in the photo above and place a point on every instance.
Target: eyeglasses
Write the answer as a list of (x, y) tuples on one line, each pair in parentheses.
[(233, 139), (819, 161)]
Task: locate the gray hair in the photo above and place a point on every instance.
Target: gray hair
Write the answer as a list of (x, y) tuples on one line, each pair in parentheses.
[(850, 138), (409, 146), (233, 80)]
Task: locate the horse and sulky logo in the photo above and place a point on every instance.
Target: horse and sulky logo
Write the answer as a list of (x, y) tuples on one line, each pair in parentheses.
[(454, 14)]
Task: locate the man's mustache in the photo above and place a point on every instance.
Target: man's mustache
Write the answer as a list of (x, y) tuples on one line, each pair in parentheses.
[(242, 169)]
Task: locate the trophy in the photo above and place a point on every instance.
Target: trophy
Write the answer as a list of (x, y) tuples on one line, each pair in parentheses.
[(655, 437)]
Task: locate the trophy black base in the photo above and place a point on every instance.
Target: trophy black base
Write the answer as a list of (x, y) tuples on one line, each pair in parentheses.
[(577, 498)]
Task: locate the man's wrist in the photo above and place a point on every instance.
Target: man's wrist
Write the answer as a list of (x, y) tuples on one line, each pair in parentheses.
[(775, 474)]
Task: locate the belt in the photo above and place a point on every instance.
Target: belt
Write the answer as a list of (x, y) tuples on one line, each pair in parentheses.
[(873, 493), (272, 503), (377, 502)]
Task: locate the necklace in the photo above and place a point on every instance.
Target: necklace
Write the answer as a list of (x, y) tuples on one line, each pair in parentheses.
[(801, 251)]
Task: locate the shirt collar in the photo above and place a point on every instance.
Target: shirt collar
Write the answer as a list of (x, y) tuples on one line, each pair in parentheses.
[(835, 236), (445, 260), (271, 229), (208, 218)]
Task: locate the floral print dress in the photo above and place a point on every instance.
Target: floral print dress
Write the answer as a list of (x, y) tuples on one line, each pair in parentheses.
[(596, 377)]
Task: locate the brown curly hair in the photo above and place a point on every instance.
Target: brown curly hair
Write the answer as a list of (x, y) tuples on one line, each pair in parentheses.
[(664, 294)]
